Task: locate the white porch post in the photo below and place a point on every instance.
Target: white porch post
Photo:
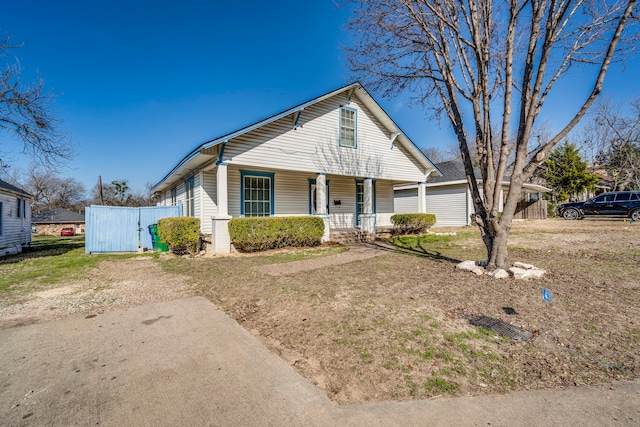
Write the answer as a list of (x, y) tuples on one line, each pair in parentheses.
[(422, 197), (321, 204), (368, 217), (221, 242)]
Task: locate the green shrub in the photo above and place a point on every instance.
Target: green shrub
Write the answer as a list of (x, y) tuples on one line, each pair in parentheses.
[(412, 223), (182, 234), (259, 234)]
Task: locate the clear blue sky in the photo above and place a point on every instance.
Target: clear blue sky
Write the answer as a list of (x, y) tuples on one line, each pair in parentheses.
[(142, 83)]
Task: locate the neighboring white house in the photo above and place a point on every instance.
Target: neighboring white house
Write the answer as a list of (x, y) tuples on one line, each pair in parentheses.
[(449, 198), (15, 219), (337, 156)]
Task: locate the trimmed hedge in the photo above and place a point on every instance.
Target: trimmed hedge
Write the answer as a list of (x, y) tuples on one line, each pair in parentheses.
[(412, 223), (259, 234), (182, 233)]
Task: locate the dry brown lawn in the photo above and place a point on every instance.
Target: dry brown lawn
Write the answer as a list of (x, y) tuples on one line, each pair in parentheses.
[(395, 326)]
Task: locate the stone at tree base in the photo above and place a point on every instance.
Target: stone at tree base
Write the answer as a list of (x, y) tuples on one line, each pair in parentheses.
[(499, 274), (471, 266), (522, 273), (466, 265), (519, 270), (523, 265)]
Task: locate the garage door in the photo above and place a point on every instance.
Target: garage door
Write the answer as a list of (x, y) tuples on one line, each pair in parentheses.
[(449, 205), (405, 201)]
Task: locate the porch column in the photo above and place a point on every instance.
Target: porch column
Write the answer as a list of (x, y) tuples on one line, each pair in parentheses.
[(321, 204), (221, 242), (422, 197), (368, 217), (222, 190)]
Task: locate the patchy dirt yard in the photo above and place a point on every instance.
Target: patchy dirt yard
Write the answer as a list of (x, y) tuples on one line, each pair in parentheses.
[(113, 285), (395, 326)]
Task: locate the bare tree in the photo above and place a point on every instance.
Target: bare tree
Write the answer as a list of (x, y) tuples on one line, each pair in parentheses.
[(118, 193), (612, 138), (439, 155), (489, 65), (51, 191), (26, 113)]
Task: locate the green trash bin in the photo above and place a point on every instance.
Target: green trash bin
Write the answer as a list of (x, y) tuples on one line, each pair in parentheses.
[(156, 241)]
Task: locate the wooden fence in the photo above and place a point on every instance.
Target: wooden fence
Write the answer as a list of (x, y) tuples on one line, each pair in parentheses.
[(531, 210)]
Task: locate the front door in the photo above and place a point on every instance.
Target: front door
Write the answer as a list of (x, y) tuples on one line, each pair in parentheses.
[(360, 199)]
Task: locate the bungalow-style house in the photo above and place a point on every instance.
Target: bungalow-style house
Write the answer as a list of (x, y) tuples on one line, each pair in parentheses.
[(449, 198), (337, 156), (51, 222), (15, 219)]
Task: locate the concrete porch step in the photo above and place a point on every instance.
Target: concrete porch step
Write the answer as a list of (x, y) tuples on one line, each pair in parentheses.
[(346, 236)]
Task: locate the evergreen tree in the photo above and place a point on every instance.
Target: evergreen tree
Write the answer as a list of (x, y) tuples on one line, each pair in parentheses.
[(567, 173)]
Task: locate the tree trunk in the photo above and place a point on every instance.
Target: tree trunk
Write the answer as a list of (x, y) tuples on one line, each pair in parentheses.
[(495, 235), (497, 253)]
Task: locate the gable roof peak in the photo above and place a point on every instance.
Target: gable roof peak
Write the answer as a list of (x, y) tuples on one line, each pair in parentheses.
[(353, 89)]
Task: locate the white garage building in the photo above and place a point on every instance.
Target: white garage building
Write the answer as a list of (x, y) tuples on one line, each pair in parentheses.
[(449, 197)]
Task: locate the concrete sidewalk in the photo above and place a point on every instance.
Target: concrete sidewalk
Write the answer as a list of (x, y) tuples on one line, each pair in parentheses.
[(185, 362)]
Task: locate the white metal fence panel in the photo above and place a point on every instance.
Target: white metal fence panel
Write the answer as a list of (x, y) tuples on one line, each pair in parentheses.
[(122, 229), (111, 229)]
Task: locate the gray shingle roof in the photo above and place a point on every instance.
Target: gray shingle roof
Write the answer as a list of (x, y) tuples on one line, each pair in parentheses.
[(57, 216), (453, 170), (6, 186)]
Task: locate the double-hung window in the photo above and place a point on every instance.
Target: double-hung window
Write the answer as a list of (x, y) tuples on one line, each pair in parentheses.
[(190, 204), (348, 127), (174, 196), (257, 194)]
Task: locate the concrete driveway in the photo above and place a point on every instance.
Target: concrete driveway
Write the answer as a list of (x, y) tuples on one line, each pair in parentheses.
[(185, 362)]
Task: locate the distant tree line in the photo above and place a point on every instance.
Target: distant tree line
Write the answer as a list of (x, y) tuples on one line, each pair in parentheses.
[(53, 191)]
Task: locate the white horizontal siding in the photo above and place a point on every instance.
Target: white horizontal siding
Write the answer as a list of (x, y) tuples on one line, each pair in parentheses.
[(314, 146), (197, 198), (384, 203), (342, 189), (181, 196), (162, 200), (15, 231), (209, 198)]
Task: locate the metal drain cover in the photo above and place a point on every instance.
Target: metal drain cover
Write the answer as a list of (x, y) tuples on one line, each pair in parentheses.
[(503, 328)]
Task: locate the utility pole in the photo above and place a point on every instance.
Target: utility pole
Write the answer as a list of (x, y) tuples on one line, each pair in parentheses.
[(100, 189)]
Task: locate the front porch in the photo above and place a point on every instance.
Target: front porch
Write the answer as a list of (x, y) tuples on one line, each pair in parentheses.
[(354, 209)]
